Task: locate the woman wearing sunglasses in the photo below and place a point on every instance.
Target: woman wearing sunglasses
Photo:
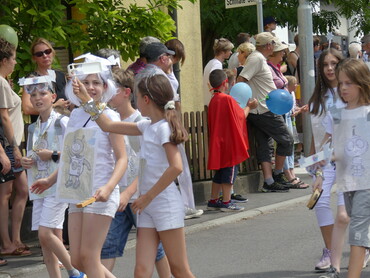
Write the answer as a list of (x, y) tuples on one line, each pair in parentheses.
[(43, 55)]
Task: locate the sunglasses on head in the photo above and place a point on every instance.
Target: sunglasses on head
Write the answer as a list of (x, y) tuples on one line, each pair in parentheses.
[(37, 87), (41, 53)]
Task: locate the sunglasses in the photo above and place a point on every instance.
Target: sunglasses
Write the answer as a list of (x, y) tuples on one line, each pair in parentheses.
[(37, 87), (41, 53)]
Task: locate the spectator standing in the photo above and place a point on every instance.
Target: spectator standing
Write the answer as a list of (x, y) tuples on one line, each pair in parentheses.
[(244, 50), (269, 24), (268, 126), (12, 125), (292, 57), (354, 50), (233, 60), (222, 49), (365, 42)]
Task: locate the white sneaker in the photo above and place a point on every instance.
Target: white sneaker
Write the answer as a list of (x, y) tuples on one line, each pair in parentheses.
[(192, 213), (367, 258)]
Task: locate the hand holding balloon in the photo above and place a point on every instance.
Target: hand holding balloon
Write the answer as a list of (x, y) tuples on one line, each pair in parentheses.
[(279, 101)]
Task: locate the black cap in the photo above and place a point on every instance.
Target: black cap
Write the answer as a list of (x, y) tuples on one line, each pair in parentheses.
[(268, 20), (156, 49)]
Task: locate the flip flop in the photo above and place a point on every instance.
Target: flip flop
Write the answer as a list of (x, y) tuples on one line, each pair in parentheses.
[(300, 185), (3, 262), (19, 252)]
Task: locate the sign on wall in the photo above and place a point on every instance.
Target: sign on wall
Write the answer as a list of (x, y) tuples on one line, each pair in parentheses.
[(239, 3)]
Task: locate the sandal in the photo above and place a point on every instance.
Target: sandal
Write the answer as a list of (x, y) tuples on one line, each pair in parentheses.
[(19, 252), (299, 185)]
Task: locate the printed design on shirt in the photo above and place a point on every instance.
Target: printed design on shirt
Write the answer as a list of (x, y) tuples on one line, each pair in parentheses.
[(42, 166), (355, 147)]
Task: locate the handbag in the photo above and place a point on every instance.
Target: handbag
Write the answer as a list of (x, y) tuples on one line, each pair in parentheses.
[(7, 177)]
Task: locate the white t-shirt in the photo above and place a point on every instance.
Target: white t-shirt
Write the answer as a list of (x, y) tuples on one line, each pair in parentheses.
[(351, 140), (259, 76), (11, 101), (211, 66), (105, 163), (153, 156)]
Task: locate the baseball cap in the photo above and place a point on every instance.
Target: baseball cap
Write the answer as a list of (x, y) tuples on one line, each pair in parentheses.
[(268, 20), (279, 46), (156, 49), (265, 38)]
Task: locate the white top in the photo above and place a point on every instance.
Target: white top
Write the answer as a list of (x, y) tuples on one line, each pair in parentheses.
[(153, 161), (174, 82), (211, 66), (11, 101), (233, 61), (351, 139), (105, 163), (259, 76), (322, 124)]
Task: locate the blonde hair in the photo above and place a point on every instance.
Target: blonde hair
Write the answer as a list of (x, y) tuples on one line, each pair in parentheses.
[(291, 79), (222, 45), (41, 41), (246, 47)]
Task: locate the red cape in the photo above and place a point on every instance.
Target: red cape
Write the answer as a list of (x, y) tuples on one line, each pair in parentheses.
[(228, 137)]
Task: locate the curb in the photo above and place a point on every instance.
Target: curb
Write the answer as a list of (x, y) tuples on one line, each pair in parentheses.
[(228, 219)]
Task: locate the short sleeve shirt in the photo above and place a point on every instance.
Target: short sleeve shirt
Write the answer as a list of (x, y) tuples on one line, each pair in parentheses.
[(211, 66), (259, 77)]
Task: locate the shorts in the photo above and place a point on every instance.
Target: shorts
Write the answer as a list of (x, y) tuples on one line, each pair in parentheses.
[(165, 212), (119, 230), (226, 175), (9, 153), (108, 208), (48, 212), (358, 208), (269, 127)]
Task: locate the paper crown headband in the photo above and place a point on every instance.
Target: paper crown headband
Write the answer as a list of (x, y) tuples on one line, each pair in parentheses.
[(92, 64)]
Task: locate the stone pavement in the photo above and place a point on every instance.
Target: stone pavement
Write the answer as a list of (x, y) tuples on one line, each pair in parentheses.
[(259, 203)]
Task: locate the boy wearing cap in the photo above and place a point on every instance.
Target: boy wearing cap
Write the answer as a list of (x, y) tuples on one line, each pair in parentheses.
[(45, 138), (228, 140), (269, 24), (268, 126)]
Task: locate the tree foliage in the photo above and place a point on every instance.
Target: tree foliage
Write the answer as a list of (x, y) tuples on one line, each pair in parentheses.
[(104, 23), (220, 22)]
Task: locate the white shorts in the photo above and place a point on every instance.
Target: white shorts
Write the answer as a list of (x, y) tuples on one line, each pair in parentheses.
[(108, 208), (165, 212), (48, 212)]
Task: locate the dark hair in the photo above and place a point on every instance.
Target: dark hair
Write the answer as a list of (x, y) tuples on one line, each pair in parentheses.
[(242, 37), (124, 78), (358, 72), (159, 90), (179, 49), (296, 40), (317, 99), (7, 49), (316, 41), (216, 77)]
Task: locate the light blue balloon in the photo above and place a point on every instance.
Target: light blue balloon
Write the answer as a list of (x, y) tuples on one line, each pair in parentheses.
[(241, 92), (279, 101)]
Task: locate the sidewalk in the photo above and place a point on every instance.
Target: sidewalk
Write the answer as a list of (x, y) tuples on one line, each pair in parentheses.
[(259, 203)]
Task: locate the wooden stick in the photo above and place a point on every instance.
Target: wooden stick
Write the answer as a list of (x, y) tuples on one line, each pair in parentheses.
[(86, 202)]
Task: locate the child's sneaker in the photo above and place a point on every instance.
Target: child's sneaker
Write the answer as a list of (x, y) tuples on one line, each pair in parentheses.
[(367, 258), (192, 213), (230, 207), (324, 262), (330, 273), (82, 275), (213, 205), (237, 198)]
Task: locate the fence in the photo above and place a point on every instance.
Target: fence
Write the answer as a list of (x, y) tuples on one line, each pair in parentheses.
[(196, 148)]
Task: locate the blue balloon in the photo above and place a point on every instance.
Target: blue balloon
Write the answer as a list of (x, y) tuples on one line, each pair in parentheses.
[(241, 92), (279, 101)]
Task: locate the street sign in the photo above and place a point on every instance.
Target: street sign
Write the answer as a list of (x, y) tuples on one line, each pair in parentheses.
[(239, 3)]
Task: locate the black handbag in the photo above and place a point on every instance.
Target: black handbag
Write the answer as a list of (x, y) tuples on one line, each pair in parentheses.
[(7, 177)]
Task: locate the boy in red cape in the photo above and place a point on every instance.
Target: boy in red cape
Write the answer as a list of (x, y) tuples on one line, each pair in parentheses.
[(228, 140)]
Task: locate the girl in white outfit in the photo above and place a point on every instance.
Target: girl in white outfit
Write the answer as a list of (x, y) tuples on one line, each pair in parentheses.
[(323, 103), (88, 226), (160, 207)]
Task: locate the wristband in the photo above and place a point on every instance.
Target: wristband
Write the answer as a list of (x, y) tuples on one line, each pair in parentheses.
[(93, 109), (55, 156), (319, 174)]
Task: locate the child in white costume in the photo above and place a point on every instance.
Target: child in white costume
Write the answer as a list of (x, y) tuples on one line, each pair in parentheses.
[(160, 206), (45, 138), (88, 226), (351, 147)]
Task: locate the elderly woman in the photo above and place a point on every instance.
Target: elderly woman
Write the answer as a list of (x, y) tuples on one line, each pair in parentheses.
[(12, 125), (43, 55)]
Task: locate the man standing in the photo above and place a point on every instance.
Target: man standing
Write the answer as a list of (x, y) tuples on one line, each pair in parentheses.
[(366, 48), (268, 126)]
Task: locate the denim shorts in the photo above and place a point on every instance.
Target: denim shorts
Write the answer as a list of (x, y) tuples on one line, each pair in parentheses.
[(119, 230), (358, 208), (226, 175)]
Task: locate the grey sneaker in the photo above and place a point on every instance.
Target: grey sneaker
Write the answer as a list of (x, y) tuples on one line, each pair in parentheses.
[(192, 213), (324, 263), (330, 273), (230, 207)]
